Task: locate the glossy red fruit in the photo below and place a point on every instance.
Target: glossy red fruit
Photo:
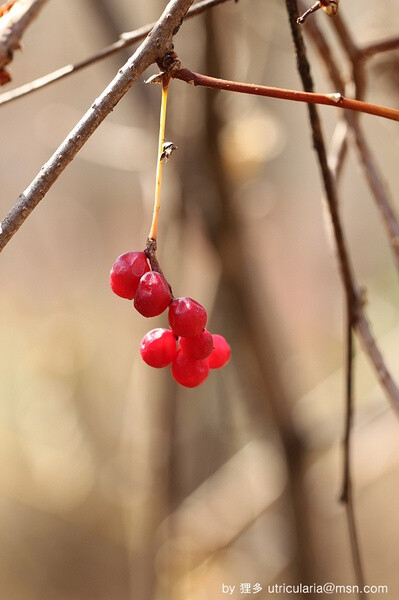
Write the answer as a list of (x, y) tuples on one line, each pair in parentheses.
[(220, 354), (187, 317), (153, 294), (189, 372), (198, 347), (126, 273), (158, 347)]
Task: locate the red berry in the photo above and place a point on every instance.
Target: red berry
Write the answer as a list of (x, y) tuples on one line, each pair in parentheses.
[(158, 347), (198, 347), (220, 354), (126, 272), (187, 317), (153, 294), (189, 372)]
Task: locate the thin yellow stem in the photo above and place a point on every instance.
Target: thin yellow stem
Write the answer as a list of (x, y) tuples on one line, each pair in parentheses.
[(158, 181)]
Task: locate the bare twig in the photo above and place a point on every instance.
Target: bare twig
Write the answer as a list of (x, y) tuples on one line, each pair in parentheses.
[(380, 46), (268, 400), (338, 149), (339, 143), (362, 326), (353, 302), (156, 45), (13, 24), (347, 479), (350, 288), (335, 99), (353, 53), (346, 491), (125, 40), (370, 168), (347, 488)]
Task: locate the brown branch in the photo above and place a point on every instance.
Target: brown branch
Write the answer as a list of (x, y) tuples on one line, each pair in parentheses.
[(336, 99), (376, 185), (351, 50), (253, 320), (347, 462), (125, 40), (370, 168), (338, 149), (347, 488), (380, 46), (13, 24), (353, 304), (362, 326), (346, 495), (156, 45), (339, 142)]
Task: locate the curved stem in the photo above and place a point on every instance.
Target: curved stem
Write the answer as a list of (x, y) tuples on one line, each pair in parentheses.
[(158, 179)]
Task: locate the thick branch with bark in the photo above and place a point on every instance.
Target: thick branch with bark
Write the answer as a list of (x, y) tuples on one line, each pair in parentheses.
[(125, 41), (156, 45)]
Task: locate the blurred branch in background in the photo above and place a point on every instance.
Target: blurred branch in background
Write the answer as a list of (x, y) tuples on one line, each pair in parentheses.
[(116, 483), (112, 22), (125, 41), (375, 180), (353, 309), (156, 45), (268, 399)]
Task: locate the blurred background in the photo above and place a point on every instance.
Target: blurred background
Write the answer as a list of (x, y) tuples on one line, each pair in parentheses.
[(116, 483)]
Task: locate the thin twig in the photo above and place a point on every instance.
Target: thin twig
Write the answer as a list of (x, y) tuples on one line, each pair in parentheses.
[(350, 288), (125, 40), (335, 99), (370, 168), (156, 45), (13, 24), (348, 44), (339, 142), (253, 320), (347, 479), (338, 149), (380, 46), (346, 493), (363, 328)]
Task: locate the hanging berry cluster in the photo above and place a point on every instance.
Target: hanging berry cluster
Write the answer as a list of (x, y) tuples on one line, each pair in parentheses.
[(187, 346)]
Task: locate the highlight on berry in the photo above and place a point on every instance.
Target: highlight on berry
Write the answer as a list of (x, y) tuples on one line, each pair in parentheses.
[(187, 347)]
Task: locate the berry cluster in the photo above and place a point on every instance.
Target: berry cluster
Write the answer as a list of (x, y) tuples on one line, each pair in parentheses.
[(187, 346)]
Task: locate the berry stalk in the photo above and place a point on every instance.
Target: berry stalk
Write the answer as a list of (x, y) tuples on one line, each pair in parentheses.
[(158, 178)]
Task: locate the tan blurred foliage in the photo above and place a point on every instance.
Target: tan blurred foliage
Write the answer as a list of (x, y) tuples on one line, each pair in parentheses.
[(114, 482)]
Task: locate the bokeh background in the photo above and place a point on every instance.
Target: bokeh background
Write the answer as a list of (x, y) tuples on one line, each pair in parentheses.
[(115, 483)]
